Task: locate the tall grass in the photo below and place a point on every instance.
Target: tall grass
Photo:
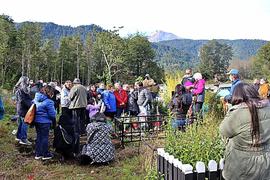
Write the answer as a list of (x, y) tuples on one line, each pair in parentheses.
[(200, 142), (171, 80)]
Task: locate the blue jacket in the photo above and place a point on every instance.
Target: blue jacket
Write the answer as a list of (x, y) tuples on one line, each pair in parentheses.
[(45, 112), (109, 100), (228, 98), (2, 110)]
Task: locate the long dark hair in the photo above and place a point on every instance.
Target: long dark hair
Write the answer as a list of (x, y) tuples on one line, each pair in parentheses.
[(246, 93)]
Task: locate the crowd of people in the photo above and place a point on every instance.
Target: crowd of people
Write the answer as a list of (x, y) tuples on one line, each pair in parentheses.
[(85, 111), (187, 100)]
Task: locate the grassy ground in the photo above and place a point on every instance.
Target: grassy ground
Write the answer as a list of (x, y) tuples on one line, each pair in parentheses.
[(17, 162)]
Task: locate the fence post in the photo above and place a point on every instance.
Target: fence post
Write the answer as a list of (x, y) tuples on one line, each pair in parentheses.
[(200, 168), (175, 169), (221, 167), (212, 167), (171, 158), (179, 170), (166, 163), (187, 171), (160, 161)]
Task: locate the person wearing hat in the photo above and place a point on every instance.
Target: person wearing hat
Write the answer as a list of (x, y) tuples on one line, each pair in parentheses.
[(188, 78), (148, 82), (198, 93), (264, 88), (78, 103), (235, 79)]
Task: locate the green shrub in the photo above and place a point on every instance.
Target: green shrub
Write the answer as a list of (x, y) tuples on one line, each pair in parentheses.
[(215, 108), (200, 142)]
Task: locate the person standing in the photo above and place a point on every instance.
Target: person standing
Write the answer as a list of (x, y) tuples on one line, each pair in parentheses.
[(187, 79), (235, 79), (121, 99), (78, 103), (133, 107), (65, 101), (55, 97), (144, 99), (150, 84), (23, 103), (198, 93), (92, 93), (45, 117), (246, 128), (109, 100), (256, 84), (179, 107), (264, 88)]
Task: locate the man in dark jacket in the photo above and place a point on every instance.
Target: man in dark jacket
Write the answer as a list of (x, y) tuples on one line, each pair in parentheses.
[(133, 107), (24, 101)]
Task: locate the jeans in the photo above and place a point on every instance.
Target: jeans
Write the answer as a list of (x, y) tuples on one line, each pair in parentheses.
[(119, 112), (42, 141), (198, 110), (176, 123), (22, 129)]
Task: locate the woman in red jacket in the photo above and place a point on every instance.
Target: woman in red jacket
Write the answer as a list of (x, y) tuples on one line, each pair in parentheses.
[(121, 99)]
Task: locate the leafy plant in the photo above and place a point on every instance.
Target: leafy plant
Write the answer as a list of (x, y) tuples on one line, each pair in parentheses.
[(200, 142)]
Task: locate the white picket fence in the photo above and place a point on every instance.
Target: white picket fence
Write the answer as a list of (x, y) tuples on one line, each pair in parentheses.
[(170, 168)]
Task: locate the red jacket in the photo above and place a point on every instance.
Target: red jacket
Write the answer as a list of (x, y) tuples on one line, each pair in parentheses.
[(121, 98)]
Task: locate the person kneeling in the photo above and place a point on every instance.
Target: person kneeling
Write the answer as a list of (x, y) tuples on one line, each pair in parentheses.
[(99, 147)]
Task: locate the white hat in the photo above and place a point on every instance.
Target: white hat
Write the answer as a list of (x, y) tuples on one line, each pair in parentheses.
[(197, 76)]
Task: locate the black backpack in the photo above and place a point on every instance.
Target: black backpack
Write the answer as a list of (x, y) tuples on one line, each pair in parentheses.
[(187, 99), (62, 140)]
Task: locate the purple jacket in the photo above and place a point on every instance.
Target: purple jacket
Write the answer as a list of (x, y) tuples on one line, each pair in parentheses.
[(198, 90), (93, 109)]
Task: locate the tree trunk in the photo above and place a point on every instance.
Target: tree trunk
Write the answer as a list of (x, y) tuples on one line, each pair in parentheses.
[(109, 74), (29, 63), (78, 62), (62, 70), (23, 65), (88, 70)]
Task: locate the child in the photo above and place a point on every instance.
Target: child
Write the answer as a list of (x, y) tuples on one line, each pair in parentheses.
[(92, 108)]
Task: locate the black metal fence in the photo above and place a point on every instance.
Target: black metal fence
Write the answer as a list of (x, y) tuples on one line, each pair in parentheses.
[(132, 129), (170, 168)]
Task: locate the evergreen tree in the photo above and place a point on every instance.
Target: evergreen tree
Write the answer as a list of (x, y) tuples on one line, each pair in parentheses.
[(215, 58)]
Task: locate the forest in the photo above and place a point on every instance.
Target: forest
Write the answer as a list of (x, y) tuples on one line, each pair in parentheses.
[(95, 56)]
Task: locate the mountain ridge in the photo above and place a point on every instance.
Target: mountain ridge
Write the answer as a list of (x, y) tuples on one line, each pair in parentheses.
[(176, 53)]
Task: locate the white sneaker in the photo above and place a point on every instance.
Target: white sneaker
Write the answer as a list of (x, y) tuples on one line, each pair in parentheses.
[(38, 157), (47, 158), (16, 139), (25, 142)]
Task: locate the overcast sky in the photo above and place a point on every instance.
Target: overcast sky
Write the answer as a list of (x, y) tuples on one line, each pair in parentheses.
[(196, 19)]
